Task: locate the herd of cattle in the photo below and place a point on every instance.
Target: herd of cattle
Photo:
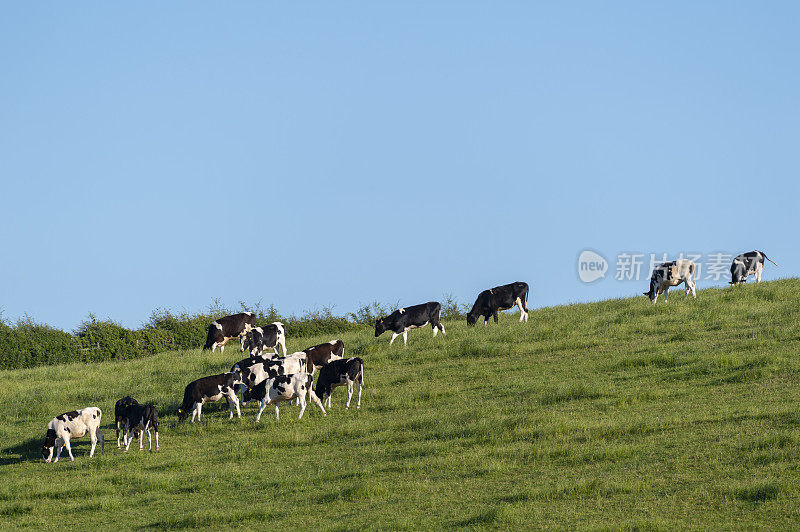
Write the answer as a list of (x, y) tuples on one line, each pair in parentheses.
[(270, 379)]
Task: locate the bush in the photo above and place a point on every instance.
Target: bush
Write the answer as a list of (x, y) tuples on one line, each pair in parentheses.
[(29, 344)]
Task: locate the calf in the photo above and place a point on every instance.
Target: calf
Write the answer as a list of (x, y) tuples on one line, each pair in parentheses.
[(341, 372), (69, 425), (270, 336), (490, 302), (319, 355), (404, 319), (121, 414), (224, 329), (211, 388), (747, 264), (284, 388), (671, 274), (139, 419)]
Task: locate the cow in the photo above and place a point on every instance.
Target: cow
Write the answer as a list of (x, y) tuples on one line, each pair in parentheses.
[(69, 425), (493, 300), (747, 264), (403, 320), (256, 369), (257, 339), (340, 372), (284, 388), (671, 274), (227, 328), (121, 414), (211, 388), (139, 419), (319, 355)]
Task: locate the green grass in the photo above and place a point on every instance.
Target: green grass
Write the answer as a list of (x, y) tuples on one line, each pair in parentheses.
[(617, 414)]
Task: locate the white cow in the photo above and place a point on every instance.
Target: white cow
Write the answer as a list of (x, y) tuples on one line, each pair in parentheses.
[(69, 425), (671, 274)]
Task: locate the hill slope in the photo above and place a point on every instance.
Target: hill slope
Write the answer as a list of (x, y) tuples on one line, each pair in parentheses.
[(611, 414)]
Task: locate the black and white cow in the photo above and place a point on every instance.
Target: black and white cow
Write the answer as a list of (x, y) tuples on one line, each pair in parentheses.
[(403, 320), (284, 388), (270, 336), (139, 419), (319, 355), (257, 369), (68, 426), (121, 414), (493, 300), (671, 274), (338, 372), (211, 388), (227, 328), (747, 264)]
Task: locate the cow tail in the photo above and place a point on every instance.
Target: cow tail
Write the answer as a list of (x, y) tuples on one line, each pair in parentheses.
[(361, 371), (765, 256)]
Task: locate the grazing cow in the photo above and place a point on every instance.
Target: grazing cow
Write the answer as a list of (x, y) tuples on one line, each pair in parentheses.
[(341, 372), (211, 388), (227, 328), (491, 301), (671, 274), (140, 419), (746, 264), (404, 319), (284, 388), (319, 355), (69, 425), (121, 414), (257, 339), (257, 369)]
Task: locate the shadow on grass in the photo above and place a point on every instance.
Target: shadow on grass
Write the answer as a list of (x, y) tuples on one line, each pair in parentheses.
[(30, 449)]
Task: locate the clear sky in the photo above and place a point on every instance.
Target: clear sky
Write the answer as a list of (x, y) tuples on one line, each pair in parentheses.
[(335, 153)]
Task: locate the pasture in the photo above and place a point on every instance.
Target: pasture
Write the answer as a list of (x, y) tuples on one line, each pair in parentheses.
[(616, 414)]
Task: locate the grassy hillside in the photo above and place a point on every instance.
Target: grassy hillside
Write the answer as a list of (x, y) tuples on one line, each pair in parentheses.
[(615, 414)]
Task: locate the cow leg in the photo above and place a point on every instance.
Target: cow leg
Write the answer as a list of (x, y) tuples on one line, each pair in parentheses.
[(197, 410), (93, 439), (394, 335), (405, 337), (435, 329), (141, 438), (302, 400), (69, 449), (360, 382), (58, 453), (277, 411), (442, 329), (128, 438), (349, 394), (759, 268), (496, 316), (316, 401), (328, 398), (261, 406), (666, 292), (523, 313), (233, 401), (118, 433)]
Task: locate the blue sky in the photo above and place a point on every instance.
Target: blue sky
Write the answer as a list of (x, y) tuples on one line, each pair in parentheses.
[(336, 153)]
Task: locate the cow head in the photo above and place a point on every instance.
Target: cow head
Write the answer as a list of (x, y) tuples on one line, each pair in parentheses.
[(380, 327), (653, 292), (472, 318), (49, 445), (247, 396), (182, 414), (246, 342)]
